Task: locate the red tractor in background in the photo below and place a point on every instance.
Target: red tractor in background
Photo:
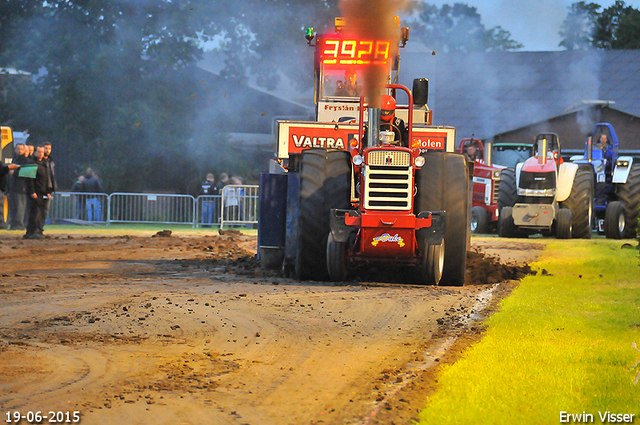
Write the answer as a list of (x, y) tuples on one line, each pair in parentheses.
[(486, 185), (336, 198)]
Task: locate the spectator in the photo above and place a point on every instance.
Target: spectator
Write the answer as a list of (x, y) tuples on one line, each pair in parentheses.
[(93, 188), (80, 200), (208, 188), (233, 199), (48, 162), (37, 189), (4, 172), (18, 191), (29, 151), (224, 180)]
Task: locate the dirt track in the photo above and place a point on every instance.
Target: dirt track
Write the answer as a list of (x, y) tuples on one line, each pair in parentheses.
[(189, 330)]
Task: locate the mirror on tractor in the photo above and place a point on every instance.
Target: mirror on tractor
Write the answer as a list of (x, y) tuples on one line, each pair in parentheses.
[(420, 91)]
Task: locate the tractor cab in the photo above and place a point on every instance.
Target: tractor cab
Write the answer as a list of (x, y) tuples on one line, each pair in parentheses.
[(602, 144), (472, 148), (547, 146)]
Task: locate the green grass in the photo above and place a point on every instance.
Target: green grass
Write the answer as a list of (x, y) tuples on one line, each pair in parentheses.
[(130, 229), (560, 342)]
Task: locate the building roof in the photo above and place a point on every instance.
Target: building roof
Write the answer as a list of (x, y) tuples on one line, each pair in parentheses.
[(490, 93)]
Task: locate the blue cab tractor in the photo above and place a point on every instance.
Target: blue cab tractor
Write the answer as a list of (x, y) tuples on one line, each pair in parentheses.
[(617, 183)]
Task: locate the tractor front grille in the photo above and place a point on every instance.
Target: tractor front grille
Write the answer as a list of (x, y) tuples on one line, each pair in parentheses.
[(496, 191), (388, 181)]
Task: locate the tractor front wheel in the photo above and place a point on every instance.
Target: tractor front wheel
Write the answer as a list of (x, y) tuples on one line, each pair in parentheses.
[(325, 183), (563, 223), (431, 261), (479, 220), (614, 220), (629, 195), (336, 259)]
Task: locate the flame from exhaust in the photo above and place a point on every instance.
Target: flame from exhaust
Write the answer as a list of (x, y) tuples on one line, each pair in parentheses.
[(373, 20)]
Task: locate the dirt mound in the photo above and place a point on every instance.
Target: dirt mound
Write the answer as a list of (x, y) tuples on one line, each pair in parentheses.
[(483, 269)]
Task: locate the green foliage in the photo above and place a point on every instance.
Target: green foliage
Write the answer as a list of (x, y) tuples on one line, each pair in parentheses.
[(616, 27), (579, 25), (458, 28)]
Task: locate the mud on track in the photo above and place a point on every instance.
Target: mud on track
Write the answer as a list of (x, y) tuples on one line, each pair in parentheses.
[(172, 330)]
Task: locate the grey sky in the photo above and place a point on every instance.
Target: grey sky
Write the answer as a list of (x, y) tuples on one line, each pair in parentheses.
[(534, 23)]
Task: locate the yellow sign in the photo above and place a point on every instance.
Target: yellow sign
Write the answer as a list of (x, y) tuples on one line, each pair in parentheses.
[(7, 136)]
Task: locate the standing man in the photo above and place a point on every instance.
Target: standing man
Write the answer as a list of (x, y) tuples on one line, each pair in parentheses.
[(93, 187), (208, 188), (38, 195), (18, 191), (4, 172), (48, 162)]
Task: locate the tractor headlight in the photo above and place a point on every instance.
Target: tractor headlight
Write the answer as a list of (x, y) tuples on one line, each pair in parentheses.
[(622, 163), (357, 160), (496, 174), (419, 161)]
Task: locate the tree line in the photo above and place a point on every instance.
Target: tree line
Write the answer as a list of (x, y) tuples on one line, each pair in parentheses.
[(114, 85)]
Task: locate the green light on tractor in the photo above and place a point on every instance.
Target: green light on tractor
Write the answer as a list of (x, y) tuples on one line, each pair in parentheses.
[(309, 34)]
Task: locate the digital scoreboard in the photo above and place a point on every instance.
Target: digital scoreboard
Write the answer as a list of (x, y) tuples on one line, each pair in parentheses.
[(336, 50)]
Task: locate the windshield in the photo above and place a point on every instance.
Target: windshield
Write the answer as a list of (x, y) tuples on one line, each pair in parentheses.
[(340, 82), (510, 156)]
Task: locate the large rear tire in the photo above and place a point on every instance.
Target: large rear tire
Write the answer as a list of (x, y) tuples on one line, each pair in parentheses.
[(580, 202), (508, 192), (479, 220), (615, 221), (325, 178), (563, 225), (443, 185), (629, 195)]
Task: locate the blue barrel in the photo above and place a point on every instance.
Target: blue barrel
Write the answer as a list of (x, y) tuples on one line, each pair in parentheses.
[(272, 220)]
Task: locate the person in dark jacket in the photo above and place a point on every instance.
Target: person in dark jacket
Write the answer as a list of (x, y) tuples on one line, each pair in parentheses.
[(48, 162), (37, 189), (18, 197), (208, 188), (93, 187), (4, 173)]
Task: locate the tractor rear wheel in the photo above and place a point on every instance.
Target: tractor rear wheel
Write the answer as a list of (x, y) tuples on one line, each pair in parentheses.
[(336, 259), (508, 192), (580, 202), (443, 185), (629, 195), (563, 223), (614, 221), (325, 179), (479, 220)]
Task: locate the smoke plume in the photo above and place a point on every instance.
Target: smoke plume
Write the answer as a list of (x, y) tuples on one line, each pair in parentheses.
[(373, 20)]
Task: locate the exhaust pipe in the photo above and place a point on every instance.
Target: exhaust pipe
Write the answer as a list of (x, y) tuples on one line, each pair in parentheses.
[(373, 136)]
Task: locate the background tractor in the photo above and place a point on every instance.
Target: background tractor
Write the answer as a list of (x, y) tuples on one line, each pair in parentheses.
[(552, 197), (490, 167), (335, 198), (616, 180)]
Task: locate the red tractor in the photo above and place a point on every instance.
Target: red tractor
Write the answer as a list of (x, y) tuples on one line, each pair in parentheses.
[(347, 192), (486, 184)]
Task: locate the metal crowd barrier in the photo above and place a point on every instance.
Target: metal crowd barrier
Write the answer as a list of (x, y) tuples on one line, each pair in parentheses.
[(237, 205), (151, 208), (83, 206)]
